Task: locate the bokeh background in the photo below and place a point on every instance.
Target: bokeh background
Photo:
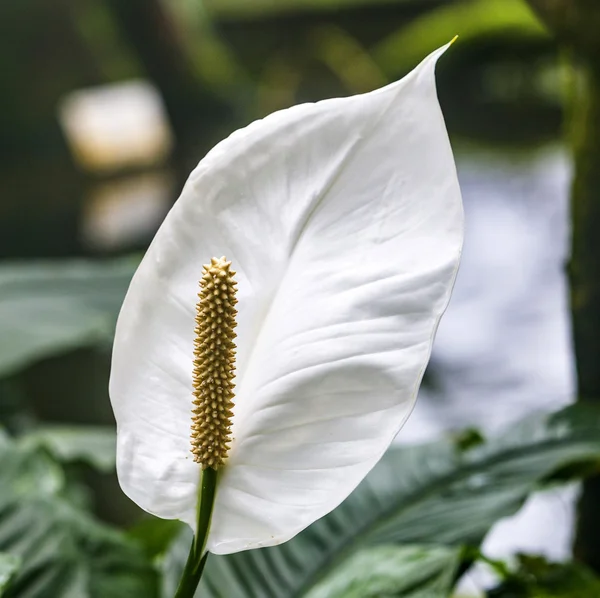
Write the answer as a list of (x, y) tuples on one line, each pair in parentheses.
[(107, 105)]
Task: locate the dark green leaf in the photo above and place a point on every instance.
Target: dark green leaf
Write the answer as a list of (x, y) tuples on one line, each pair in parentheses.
[(48, 308), (9, 564), (64, 552), (156, 535), (392, 571), (94, 445), (472, 20), (535, 577)]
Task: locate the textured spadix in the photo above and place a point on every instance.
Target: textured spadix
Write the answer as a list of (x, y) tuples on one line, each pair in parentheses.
[(214, 364), (343, 220)]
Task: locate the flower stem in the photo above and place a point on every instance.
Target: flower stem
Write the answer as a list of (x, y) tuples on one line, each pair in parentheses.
[(197, 556)]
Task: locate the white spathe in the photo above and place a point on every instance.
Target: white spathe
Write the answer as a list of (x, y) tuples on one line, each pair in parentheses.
[(344, 222)]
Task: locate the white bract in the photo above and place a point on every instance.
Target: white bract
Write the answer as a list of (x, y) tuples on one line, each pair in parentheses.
[(344, 222)]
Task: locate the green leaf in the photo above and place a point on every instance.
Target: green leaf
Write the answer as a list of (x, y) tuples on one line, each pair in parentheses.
[(433, 494), (49, 308), (156, 535), (535, 577), (94, 445), (471, 20), (64, 552), (9, 564), (399, 571)]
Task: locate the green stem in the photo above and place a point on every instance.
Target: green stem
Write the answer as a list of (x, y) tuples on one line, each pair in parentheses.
[(194, 565)]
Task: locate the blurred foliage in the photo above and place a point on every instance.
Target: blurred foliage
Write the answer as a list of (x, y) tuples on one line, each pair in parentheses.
[(92, 445), (405, 571), (472, 20), (61, 549), (535, 577), (156, 535), (49, 308), (9, 565)]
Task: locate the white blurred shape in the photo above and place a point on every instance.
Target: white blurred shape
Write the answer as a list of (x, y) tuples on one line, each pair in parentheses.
[(116, 126), (503, 348), (125, 211)]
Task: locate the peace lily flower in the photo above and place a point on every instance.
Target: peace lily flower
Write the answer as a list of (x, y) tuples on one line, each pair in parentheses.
[(343, 222)]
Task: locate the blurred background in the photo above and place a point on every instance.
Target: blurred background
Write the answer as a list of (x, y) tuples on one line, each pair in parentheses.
[(107, 105)]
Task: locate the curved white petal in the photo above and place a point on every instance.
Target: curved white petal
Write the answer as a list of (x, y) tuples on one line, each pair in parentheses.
[(344, 222)]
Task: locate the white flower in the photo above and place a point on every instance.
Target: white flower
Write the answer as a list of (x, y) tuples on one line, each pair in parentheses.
[(344, 222)]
